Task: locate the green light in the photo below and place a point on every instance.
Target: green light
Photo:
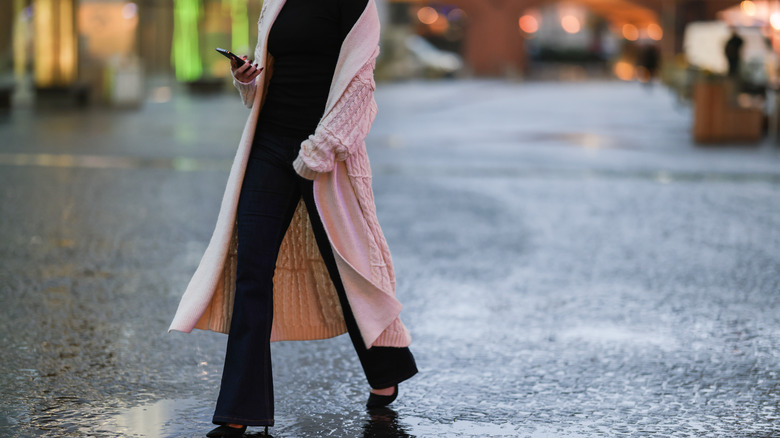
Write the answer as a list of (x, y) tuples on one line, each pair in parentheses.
[(240, 24), (185, 55), (20, 32)]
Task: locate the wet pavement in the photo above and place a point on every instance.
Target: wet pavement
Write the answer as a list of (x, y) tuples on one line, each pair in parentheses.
[(570, 265)]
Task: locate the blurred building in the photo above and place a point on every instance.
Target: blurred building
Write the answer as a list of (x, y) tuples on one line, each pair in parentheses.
[(107, 50)]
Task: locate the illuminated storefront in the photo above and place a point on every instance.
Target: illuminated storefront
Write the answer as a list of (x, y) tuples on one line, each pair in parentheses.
[(62, 44)]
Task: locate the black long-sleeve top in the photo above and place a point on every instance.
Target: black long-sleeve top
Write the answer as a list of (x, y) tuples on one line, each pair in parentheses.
[(305, 41)]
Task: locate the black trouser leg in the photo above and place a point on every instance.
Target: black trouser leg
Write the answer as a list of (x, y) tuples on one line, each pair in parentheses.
[(269, 195), (383, 366)]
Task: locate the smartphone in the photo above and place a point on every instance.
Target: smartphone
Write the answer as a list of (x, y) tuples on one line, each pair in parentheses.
[(232, 56)]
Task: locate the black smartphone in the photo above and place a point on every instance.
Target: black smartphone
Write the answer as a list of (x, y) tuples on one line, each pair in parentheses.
[(231, 56)]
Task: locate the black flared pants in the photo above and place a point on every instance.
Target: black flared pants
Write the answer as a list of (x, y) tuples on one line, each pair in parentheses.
[(269, 196)]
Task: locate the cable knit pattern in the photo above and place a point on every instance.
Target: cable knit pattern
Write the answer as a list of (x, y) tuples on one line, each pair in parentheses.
[(306, 305), (342, 130), (312, 306)]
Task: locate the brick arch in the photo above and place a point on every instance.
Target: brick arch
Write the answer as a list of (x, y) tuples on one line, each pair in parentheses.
[(493, 46)]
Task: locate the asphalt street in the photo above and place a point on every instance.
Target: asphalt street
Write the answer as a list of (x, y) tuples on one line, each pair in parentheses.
[(571, 265)]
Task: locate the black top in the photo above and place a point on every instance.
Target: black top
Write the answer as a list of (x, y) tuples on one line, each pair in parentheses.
[(305, 41)]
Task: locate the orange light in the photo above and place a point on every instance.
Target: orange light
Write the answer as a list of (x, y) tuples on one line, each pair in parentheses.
[(630, 32), (655, 32), (570, 24), (748, 7), (774, 20), (528, 24), (427, 15), (624, 71), (440, 25)]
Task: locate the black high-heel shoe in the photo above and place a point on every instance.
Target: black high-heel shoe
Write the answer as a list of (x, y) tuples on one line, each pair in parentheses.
[(379, 401), (226, 431)]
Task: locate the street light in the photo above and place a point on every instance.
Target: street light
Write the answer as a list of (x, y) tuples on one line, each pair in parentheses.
[(655, 32), (427, 15), (774, 20), (630, 32), (529, 24), (748, 7), (570, 24)]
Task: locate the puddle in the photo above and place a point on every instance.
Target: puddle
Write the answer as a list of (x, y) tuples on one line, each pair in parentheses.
[(586, 140), (152, 420)]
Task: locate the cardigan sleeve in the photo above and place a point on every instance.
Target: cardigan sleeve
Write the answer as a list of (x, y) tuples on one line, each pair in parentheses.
[(342, 129), (246, 90)]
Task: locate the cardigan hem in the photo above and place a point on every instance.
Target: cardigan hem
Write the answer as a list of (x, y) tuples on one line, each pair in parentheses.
[(303, 333), (386, 339), (394, 339)]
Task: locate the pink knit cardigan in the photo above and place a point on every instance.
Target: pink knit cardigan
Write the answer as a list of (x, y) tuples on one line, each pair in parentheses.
[(306, 305)]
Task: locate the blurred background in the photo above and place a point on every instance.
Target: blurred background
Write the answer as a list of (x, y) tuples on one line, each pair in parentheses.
[(123, 53), (575, 256)]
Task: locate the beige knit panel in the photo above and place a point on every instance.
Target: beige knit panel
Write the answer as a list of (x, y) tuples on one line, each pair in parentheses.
[(228, 281), (217, 315), (305, 300)]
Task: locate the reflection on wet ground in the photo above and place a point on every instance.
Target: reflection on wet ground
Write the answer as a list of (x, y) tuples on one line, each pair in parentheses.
[(384, 424), (147, 420), (585, 140), (183, 164), (112, 162), (551, 292), (157, 420)]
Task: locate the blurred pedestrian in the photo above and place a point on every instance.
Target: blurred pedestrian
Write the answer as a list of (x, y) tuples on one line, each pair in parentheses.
[(770, 73), (733, 52), (648, 61), (771, 65), (297, 252)]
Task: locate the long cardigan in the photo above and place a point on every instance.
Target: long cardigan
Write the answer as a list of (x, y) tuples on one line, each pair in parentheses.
[(306, 305)]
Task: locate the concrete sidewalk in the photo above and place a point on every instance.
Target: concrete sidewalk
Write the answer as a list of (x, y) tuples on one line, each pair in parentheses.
[(570, 265)]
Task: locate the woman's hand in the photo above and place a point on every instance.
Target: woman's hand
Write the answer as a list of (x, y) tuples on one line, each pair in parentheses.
[(245, 73)]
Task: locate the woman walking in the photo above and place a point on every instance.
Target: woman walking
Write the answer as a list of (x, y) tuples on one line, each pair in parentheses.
[(297, 252)]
